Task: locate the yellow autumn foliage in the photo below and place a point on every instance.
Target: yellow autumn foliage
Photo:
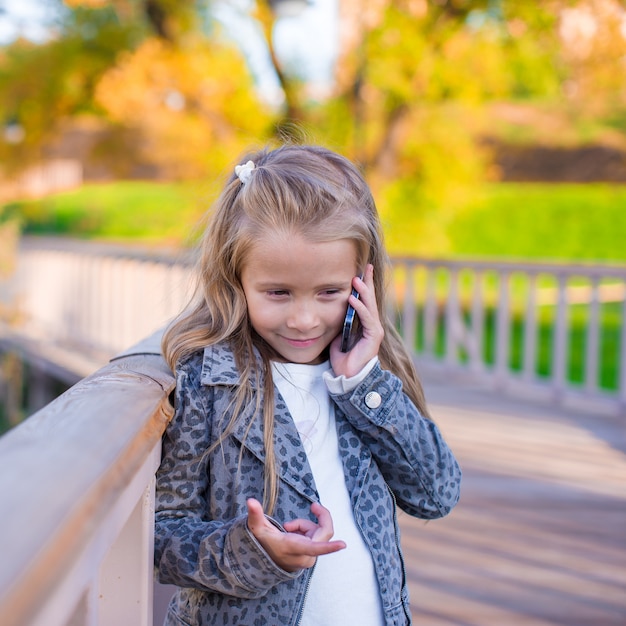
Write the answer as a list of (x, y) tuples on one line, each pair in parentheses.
[(87, 4), (194, 104)]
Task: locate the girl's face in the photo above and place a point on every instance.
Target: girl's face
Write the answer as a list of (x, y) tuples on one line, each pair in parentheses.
[(297, 293)]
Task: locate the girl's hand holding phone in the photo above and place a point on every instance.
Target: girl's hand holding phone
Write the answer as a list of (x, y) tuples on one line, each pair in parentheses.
[(366, 348)]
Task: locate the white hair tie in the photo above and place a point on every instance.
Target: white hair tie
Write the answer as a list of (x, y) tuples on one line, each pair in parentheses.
[(244, 171)]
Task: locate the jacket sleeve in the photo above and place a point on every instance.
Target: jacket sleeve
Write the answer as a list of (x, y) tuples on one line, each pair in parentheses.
[(190, 549), (409, 449)]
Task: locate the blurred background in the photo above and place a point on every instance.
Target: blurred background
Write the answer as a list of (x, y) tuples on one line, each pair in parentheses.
[(493, 134), (488, 127)]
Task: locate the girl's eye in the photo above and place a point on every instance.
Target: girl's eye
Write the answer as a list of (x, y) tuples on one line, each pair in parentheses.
[(278, 292)]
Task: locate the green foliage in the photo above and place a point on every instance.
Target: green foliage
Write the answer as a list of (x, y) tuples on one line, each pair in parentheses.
[(439, 166), (567, 221), (419, 75), (532, 50), (531, 221), (148, 212), (171, 19)]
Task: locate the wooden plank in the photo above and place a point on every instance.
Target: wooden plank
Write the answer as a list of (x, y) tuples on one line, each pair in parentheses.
[(64, 468), (539, 536)]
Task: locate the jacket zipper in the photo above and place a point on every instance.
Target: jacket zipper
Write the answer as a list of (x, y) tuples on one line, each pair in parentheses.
[(306, 593)]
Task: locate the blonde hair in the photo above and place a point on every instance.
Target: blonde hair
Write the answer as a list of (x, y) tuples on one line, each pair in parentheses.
[(301, 189)]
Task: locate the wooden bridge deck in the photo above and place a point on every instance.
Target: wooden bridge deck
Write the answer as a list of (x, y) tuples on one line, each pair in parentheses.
[(539, 536)]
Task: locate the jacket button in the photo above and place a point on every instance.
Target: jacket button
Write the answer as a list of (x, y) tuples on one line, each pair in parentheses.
[(373, 400)]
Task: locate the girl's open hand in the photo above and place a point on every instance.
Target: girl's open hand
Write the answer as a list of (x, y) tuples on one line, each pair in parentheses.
[(303, 542), (366, 348)]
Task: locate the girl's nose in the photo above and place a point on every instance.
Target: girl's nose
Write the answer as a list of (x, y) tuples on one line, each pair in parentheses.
[(302, 316)]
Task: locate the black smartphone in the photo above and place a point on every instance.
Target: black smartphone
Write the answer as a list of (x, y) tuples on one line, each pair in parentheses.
[(351, 332)]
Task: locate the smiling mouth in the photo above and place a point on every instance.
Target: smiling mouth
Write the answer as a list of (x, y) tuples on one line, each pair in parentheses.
[(303, 343)]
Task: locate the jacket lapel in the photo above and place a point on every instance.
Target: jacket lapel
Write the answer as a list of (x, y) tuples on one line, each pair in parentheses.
[(219, 369)]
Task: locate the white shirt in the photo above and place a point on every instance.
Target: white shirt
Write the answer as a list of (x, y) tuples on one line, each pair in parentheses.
[(343, 589)]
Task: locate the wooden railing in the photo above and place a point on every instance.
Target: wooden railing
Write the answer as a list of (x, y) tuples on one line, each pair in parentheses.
[(93, 298), (557, 332), (77, 493), (77, 477)]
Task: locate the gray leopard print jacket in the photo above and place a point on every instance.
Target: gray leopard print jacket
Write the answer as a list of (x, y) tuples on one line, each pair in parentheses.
[(390, 454)]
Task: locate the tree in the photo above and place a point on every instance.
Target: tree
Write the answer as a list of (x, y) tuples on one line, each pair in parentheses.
[(167, 19), (44, 85), (193, 104), (168, 93), (593, 33), (413, 81)]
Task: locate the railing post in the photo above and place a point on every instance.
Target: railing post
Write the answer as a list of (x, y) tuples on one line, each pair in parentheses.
[(502, 329), (592, 344), (452, 317), (86, 465), (530, 330), (430, 312), (560, 349), (478, 324), (125, 584)]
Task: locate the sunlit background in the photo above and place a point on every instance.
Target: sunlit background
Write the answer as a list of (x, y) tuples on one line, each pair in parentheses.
[(484, 127), (493, 134)]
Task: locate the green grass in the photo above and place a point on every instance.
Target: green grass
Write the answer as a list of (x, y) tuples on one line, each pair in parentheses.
[(583, 222), (609, 349), (531, 221), (126, 210)]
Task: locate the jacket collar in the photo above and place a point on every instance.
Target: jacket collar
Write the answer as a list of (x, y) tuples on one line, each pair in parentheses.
[(219, 368)]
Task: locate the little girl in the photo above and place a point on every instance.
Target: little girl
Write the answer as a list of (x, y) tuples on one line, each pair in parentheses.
[(280, 441)]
